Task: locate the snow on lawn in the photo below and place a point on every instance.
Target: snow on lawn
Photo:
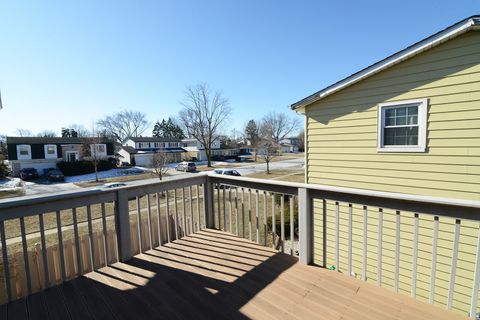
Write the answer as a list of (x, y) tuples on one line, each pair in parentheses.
[(10, 183), (105, 174)]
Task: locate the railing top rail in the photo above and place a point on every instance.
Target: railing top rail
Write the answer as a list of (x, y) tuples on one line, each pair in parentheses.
[(35, 204), (459, 208), (423, 204)]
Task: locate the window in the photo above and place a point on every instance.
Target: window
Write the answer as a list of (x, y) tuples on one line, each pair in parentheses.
[(402, 126), (98, 150), (50, 151), (24, 152)]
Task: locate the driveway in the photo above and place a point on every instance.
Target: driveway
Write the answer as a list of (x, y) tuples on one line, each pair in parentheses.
[(43, 186)]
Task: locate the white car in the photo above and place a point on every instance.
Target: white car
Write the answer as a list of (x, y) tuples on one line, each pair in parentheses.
[(227, 172)]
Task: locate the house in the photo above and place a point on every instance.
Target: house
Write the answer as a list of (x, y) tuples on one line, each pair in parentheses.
[(140, 150), (195, 149), (45, 152), (409, 124)]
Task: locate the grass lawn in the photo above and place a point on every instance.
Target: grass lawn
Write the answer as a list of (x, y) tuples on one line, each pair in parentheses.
[(296, 175), (132, 177)]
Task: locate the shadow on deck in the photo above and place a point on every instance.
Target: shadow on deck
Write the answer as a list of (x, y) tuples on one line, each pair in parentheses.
[(215, 275)]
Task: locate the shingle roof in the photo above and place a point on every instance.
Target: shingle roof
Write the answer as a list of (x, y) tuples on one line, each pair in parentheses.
[(451, 32), (53, 140), (153, 139)]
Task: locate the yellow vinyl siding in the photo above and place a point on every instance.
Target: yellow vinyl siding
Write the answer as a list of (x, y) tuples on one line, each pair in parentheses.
[(341, 148)]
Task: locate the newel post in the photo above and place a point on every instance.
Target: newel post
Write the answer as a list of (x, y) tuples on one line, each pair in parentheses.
[(122, 224), (305, 226), (208, 195)]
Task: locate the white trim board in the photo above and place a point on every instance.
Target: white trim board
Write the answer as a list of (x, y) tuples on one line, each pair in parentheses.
[(407, 53)]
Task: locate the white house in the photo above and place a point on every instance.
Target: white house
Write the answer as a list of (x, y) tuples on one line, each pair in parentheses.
[(140, 150)]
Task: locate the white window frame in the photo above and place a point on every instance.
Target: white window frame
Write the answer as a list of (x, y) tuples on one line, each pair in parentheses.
[(24, 157), (76, 153), (94, 152), (422, 126), (50, 156)]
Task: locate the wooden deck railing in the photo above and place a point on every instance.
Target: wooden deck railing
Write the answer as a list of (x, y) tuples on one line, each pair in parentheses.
[(46, 240)]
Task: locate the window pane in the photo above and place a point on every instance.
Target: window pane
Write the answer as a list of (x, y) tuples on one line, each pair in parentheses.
[(404, 136)]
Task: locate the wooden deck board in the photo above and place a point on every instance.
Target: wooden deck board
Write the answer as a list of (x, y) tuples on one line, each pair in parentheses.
[(215, 275)]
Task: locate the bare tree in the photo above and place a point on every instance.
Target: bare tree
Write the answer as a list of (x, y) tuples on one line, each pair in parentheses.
[(203, 114), (23, 132), (93, 147), (159, 163), (3, 145), (301, 140), (268, 150), (278, 126), (79, 129), (124, 124)]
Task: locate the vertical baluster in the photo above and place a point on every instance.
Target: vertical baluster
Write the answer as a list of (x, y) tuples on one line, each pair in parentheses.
[(337, 236), (236, 213), (60, 246), (415, 256), (230, 208), (190, 193), (199, 222), (149, 221), (139, 225), (44, 250), (184, 214), (379, 247), (6, 264), (218, 207), (365, 243), (77, 241), (453, 267), (250, 226), (397, 250), (105, 233), (274, 227), (243, 213), (292, 224), (224, 209), (265, 225), (282, 222), (350, 231), (257, 214), (90, 237), (167, 220), (159, 217), (476, 281), (324, 230), (175, 218), (25, 255), (431, 296)]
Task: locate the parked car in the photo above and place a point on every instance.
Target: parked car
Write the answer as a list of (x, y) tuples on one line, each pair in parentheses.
[(28, 174), (112, 185), (55, 175), (186, 166), (227, 172)]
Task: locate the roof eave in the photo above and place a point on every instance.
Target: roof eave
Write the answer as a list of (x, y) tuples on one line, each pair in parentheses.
[(472, 23)]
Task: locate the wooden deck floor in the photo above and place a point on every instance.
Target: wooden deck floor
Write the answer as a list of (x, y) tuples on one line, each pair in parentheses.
[(214, 275)]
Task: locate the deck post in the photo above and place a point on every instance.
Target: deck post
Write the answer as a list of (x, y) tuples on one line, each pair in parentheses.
[(305, 226), (208, 195), (122, 223)]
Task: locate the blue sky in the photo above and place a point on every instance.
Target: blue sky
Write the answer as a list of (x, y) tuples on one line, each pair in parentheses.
[(70, 62)]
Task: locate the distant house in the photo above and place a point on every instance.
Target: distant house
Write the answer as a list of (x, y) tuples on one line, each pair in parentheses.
[(42, 152), (142, 150), (290, 145), (195, 149)]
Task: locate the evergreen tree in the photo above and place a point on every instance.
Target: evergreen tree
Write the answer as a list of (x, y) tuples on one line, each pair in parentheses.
[(167, 129)]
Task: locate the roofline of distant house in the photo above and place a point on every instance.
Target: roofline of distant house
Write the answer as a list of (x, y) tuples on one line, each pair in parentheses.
[(59, 140), (453, 31), (152, 139)]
